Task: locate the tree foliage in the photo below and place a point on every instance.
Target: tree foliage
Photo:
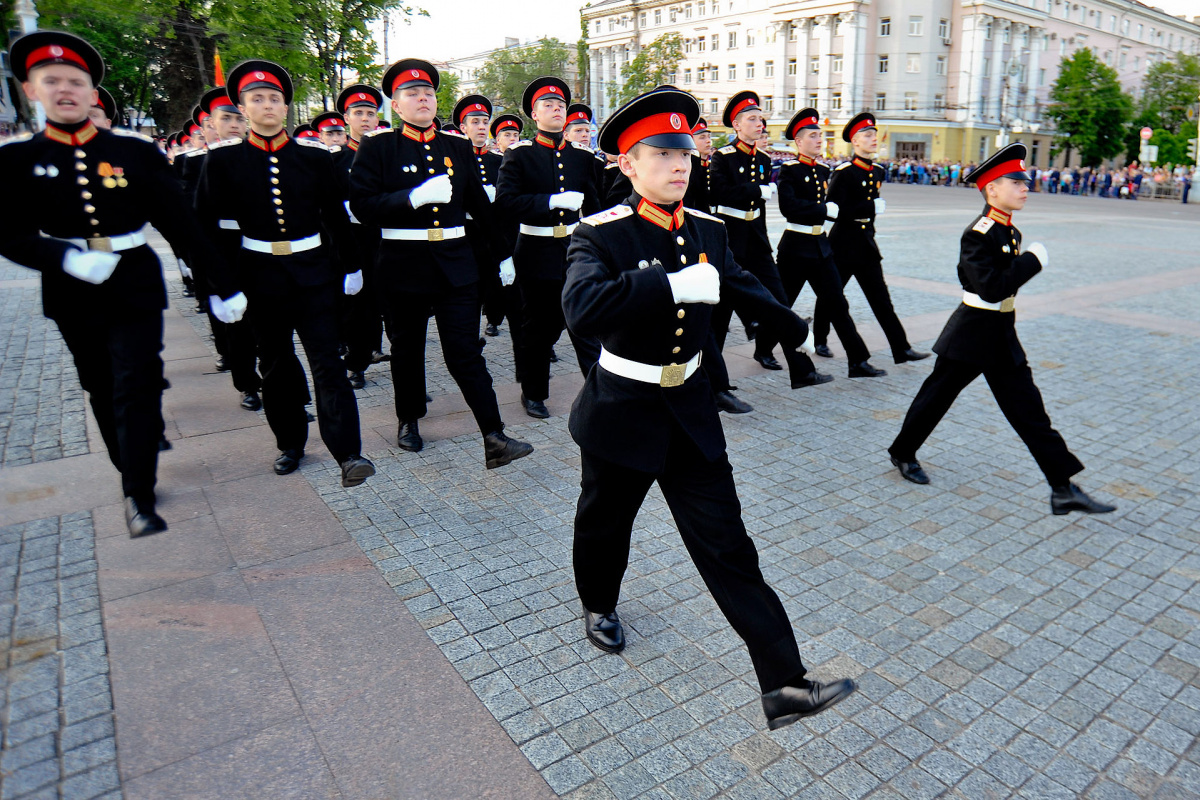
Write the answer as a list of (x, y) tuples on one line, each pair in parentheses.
[(1169, 89), (447, 95), (505, 74), (1089, 108), (654, 65)]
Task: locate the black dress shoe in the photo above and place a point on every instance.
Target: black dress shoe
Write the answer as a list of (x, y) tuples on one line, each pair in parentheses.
[(911, 471), (357, 380), (251, 401), (491, 330), (863, 369), (378, 357), (164, 444), (911, 355), (220, 363), (751, 331), (604, 631), (288, 462), (813, 378), (355, 470), (428, 399), (553, 356), (823, 351), (535, 408), (1066, 499), (408, 437), (791, 703), (311, 417), (188, 291), (731, 403), (767, 362), (499, 450), (142, 519)]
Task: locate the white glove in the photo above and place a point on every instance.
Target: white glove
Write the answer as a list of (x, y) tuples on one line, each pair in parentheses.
[(236, 306), (350, 213), (880, 205), (831, 210), (810, 344), (1039, 251), (92, 266), (767, 190), (569, 201), (508, 273), (435, 190), (228, 311), (353, 283), (491, 192), (699, 283), (183, 269)]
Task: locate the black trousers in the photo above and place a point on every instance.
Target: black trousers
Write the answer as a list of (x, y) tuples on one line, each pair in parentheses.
[(456, 310), (870, 279), (236, 345), (120, 368), (280, 313), (543, 324), (705, 506), (1017, 396), (361, 328), (822, 275), (762, 267)]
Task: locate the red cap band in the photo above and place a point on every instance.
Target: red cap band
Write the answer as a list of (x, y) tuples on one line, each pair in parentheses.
[(701, 126), (310, 134), (331, 123), (999, 171), (866, 123), (259, 77), (742, 106), (55, 52), (203, 115), (578, 116), (474, 108), (508, 123), (653, 125), (548, 89), (410, 75), (99, 102)]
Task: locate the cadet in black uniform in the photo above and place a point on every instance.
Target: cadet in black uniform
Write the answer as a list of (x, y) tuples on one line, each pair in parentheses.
[(504, 299), (104, 113), (282, 193), (418, 185), (545, 184), (854, 186), (739, 188), (981, 338), (699, 184), (578, 125), (804, 251), (74, 205), (643, 277)]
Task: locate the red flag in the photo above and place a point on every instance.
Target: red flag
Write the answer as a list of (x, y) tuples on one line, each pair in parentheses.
[(218, 73)]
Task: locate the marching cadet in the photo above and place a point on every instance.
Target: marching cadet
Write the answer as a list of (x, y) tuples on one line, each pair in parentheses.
[(699, 183), (75, 204), (804, 251), (643, 277), (105, 113), (739, 181), (331, 129), (305, 131), (365, 322), (505, 131), (188, 141), (278, 190), (544, 184), (854, 186), (981, 338), (418, 185), (578, 125)]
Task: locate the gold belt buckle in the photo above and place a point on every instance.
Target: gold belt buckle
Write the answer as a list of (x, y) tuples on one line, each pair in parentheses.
[(750, 216), (102, 244), (1008, 304), (673, 375), (435, 234), (281, 248), (817, 230), (560, 231)]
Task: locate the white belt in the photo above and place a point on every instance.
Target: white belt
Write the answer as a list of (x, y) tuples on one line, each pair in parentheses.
[(739, 213), (107, 244), (228, 225), (557, 231), (973, 300), (666, 376), (862, 220), (811, 230), (350, 213), (423, 234), (282, 248)]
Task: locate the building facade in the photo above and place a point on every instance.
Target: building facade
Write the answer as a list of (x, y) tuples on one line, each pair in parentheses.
[(468, 68), (945, 78)]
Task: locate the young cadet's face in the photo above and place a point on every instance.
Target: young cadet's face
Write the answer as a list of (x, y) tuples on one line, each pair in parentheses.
[(579, 133), (211, 134), (475, 128), (229, 125), (659, 174), (506, 139), (865, 142), (265, 109), (550, 113), (65, 92), (703, 143), (1007, 194), (361, 121), (808, 142), (748, 125), (416, 105), (333, 138), (99, 118)]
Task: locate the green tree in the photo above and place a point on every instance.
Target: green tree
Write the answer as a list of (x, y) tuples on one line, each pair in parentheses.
[(1169, 89), (1089, 109), (583, 62), (654, 65), (505, 74), (447, 95)]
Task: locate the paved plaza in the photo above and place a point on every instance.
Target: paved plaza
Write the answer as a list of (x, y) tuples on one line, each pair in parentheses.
[(419, 636)]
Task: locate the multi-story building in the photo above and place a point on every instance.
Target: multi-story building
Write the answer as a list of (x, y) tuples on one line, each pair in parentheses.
[(468, 68), (945, 78)]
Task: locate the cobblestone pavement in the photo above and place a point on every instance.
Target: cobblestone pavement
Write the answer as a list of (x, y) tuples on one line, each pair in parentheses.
[(58, 738)]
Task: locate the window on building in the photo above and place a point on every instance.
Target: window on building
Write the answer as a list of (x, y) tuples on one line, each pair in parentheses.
[(687, 11), (885, 26), (733, 72), (939, 103), (687, 45), (916, 26), (612, 24), (1108, 57), (982, 148), (702, 44), (836, 101), (714, 74), (791, 30), (814, 65), (769, 69), (1141, 28), (939, 66), (732, 40), (1137, 63), (987, 68), (716, 42), (749, 38), (716, 8), (880, 102), (700, 8), (712, 106), (812, 100), (750, 71), (943, 29), (983, 107), (883, 65), (769, 103), (642, 19), (837, 26), (1125, 27), (1006, 34), (1122, 62), (597, 26), (987, 30), (912, 63), (791, 66), (673, 13), (687, 76), (910, 101), (836, 62), (1112, 23), (790, 103), (700, 75)]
